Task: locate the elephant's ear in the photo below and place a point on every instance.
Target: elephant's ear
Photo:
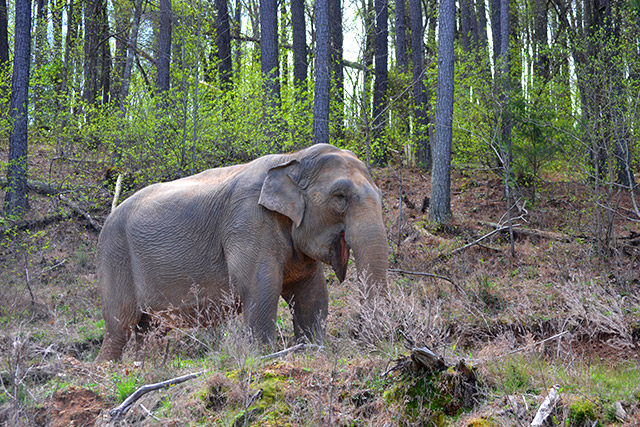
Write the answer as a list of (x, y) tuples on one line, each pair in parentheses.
[(280, 192)]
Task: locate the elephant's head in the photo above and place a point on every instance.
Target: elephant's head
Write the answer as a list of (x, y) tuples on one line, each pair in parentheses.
[(334, 205)]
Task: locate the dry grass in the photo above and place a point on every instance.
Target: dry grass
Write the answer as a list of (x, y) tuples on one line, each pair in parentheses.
[(556, 314)]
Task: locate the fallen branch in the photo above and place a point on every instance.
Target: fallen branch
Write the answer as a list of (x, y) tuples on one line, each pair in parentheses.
[(48, 188), (35, 223), (122, 409), (546, 408), (531, 232), (81, 212)]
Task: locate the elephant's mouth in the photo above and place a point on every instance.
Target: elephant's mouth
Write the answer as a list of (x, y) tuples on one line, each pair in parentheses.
[(340, 256)]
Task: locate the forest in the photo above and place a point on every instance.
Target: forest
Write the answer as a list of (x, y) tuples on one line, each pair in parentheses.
[(502, 134)]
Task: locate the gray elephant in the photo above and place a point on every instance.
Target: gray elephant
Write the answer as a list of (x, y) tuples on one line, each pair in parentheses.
[(259, 231)]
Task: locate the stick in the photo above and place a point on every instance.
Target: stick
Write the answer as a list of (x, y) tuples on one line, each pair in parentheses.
[(117, 192), (546, 408), (122, 409), (558, 335), (80, 212), (532, 232)]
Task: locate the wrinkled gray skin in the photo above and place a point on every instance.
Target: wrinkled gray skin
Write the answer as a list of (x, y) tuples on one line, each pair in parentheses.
[(260, 230)]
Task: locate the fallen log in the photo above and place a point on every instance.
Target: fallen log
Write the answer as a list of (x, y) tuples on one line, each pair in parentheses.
[(35, 224), (81, 212)]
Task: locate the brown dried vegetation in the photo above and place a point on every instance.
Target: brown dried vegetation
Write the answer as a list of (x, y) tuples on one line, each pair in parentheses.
[(560, 312)]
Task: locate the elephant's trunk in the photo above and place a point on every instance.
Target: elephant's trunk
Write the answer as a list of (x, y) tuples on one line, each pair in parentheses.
[(366, 235)]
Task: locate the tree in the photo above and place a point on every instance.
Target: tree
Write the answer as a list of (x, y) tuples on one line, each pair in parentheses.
[(15, 200), (96, 69), (337, 72), (420, 97), (401, 36), (323, 77), (380, 83), (223, 44), (298, 22), (440, 208), (163, 78), (269, 50), (4, 37)]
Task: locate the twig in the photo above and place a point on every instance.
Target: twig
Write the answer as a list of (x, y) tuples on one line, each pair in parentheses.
[(558, 335), (80, 212), (290, 350), (421, 273), (475, 242), (122, 409), (148, 412)]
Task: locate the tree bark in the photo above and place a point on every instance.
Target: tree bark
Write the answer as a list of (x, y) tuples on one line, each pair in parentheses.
[(92, 32), (401, 36), (163, 78), (4, 35), (440, 207), (337, 70), (131, 51), (380, 83), (420, 94), (269, 50), (298, 23), (496, 33), (16, 202), (465, 25), (223, 44), (323, 78)]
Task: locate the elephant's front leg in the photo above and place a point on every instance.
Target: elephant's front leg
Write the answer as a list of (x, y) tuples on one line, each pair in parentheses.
[(259, 285), (308, 301)]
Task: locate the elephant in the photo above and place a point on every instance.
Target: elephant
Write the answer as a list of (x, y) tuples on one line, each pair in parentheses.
[(258, 231)]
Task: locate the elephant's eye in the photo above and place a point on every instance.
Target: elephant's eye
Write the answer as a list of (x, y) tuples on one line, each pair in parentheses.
[(340, 200)]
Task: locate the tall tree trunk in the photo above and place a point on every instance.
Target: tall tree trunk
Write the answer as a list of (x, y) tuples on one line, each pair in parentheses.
[(92, 33), (496, 33), (122, 20), (440, 207), (401, 36), (41, 45), (337, 87), (269, 50), (4, 55), (541, 66), (504, 63), (420, 95), (16, 202), (223, 44), (380, 83), (131, 52), (105, 55), (163, 78), (4, 34), (237, 27), (368, 54), (299, 29), (323, 78), (465, 25)]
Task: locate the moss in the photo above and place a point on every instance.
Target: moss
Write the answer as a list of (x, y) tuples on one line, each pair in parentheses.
[(583, 412), (480, 422)]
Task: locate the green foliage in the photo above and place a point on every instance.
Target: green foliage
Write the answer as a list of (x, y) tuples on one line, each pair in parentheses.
[(582, 412), (125, 384)]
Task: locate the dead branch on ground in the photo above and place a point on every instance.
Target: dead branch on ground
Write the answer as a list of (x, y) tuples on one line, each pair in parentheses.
[(81, 212), (122, 409)]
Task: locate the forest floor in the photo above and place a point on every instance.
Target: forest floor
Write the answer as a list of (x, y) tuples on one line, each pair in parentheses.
[(563, 312)]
